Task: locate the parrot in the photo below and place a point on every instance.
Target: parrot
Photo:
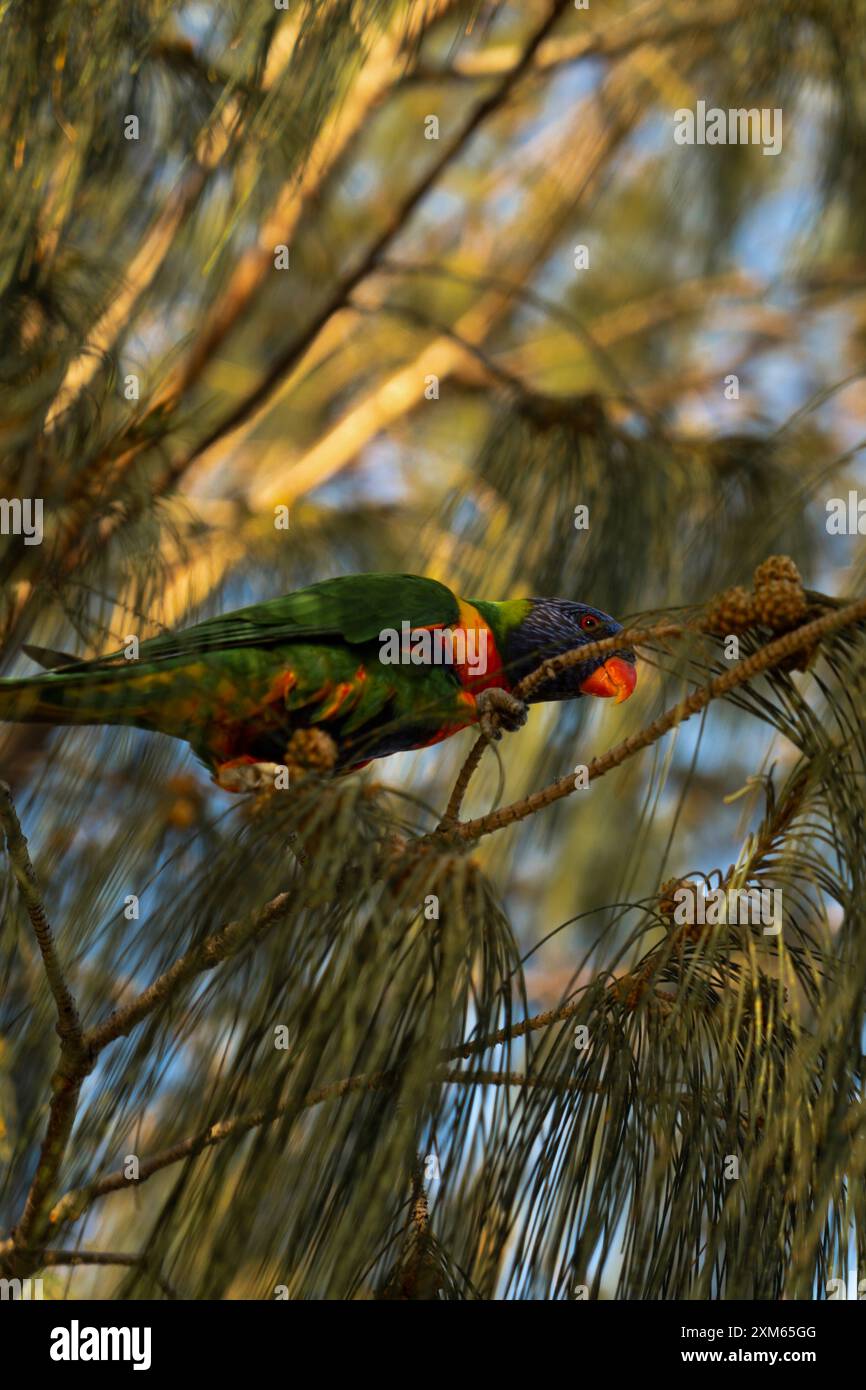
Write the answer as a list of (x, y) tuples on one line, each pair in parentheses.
[(329, 677)]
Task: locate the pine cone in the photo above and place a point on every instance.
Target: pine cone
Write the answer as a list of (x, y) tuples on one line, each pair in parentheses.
[(779, 597), (732, 611), (780, 605), (779, 567), (310, 750)]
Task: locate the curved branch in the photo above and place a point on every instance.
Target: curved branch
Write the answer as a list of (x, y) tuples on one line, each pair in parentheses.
[(769, 656), (75, 1058), (210, 952), (74, 1203)]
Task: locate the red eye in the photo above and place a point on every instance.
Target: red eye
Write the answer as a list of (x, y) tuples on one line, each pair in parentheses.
[(588, 622)]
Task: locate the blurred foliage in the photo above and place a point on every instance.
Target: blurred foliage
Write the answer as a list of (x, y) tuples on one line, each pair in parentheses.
[(164, 387)]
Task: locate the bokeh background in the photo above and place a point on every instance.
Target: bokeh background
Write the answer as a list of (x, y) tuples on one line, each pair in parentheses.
[(431, 385)]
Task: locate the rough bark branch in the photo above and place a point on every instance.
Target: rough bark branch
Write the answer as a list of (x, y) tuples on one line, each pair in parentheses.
[(74, 1203), (75, 1060), (221, 945), (768, 657), (68, 1023), (53, 1259)]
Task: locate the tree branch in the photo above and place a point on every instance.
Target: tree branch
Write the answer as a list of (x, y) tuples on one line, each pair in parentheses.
[(221, 945), (74, 1203), (395, 223), (68, 1023), (75, 1059), (53, 1259), (632, 637), (769, 656), (658, 27), (84, 1257)]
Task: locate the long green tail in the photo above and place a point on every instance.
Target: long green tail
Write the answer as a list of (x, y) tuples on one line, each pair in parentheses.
[(114, 696)]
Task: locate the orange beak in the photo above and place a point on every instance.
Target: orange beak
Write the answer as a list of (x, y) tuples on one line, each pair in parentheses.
[(614, 677)]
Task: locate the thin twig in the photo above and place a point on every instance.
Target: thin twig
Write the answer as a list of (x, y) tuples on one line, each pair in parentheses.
[(455, 801), (762, 660), (219, 946), (631, 637), (84, 1257), (658, 27), (68, 1023), (52, 1259), (74, 1203), (515, 1030)]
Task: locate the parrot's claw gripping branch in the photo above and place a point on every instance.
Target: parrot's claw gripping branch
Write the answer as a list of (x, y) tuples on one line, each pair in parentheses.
[(499, 709), (798, 620)]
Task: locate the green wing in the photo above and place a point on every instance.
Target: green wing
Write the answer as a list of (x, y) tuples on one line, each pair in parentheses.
[(354, 608)]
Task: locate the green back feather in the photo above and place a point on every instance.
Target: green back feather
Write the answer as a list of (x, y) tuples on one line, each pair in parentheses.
[(355, 608)]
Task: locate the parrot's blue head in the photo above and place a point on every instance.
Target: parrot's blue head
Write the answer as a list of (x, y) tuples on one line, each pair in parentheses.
[(556, 625)]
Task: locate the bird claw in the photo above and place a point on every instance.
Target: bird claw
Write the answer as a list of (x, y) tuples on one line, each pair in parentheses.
[(498, 710)]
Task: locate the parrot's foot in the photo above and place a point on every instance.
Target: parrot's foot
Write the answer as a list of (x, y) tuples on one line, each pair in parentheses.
[(498, 710), (311, 750), (247, 775)]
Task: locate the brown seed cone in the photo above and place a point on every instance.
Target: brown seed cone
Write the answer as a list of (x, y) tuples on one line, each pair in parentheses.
[(398, 860), (310, 750), (390, 851), (777, 567), (779, 597), (629, 990), (732, 611), (780, 605)]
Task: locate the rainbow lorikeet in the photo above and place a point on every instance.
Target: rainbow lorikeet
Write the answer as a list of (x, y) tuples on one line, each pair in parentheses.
[(331, 676)]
